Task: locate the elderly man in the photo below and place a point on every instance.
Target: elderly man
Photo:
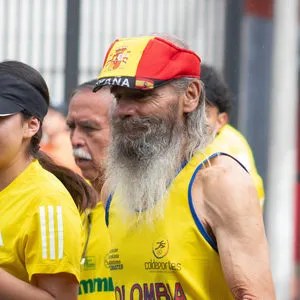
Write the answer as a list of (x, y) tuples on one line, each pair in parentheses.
[(88, 121), (184, 223)]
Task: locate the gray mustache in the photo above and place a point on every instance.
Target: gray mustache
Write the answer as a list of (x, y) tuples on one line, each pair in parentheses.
[(144, 123), (80, 153)]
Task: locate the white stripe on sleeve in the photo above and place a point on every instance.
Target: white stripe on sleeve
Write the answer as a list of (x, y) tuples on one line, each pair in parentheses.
[(43, 231), (51, 231), (1, 240), (60, 226)]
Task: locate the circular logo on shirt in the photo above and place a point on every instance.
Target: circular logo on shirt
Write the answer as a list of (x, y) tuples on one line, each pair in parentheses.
[(160, 247)]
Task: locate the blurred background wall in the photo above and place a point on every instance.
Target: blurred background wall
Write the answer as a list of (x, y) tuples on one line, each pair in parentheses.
[(67, 39)]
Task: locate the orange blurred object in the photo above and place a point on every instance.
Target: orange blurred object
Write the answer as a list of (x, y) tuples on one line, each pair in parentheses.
[(56, 140)]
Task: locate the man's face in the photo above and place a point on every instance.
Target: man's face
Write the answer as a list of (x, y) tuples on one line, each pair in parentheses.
[(215, 119), (139, 103), (88, 121), (146, 147), (145, 117)]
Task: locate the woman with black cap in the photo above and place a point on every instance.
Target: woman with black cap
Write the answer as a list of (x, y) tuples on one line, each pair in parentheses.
[(40, 227)]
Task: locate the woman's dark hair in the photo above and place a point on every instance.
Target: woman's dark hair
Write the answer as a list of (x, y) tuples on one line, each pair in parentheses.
[(82, 193)]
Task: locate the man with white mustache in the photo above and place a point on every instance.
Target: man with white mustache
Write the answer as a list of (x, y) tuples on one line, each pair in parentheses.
[(88, 122), (185, 223)]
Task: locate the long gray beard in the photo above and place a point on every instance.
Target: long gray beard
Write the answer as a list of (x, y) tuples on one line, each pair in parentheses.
[(144, 157)]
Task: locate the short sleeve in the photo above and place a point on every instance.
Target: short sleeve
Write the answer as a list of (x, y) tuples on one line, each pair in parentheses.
[(52, 239)]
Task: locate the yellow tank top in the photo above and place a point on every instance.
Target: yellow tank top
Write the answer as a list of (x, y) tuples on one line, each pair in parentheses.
[(231, 141), (95, 277), (174, 258)]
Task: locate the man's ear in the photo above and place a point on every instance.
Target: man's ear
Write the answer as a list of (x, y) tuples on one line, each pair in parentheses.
[(222, 119), (31, 127), (191, 96)]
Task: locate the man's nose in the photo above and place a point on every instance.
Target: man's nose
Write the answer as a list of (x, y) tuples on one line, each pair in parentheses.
[(77, 139), (125, 108)]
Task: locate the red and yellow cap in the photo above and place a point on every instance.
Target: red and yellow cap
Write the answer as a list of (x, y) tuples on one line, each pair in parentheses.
[(146, 62)]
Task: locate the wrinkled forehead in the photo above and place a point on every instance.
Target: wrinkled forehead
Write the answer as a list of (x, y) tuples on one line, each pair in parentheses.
[(116, 90), (87, 119), (82, 108)]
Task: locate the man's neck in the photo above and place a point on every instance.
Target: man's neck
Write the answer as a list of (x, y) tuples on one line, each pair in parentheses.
[(97, 184)]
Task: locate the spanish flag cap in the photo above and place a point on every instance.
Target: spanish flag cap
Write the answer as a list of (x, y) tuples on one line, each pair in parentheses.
[(146, 62)]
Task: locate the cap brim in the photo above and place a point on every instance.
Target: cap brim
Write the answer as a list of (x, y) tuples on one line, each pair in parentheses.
[(130, 82), (8, 108), (97, 88)]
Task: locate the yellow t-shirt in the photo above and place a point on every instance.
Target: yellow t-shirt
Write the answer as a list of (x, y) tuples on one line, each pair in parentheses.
[(173, 258), (95, 277), (40, 226), (231, 141)]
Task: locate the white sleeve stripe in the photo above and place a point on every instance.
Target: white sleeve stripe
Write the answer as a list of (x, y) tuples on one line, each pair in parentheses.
[(60, 232), (43, 231), (51, 232), (1, 240)]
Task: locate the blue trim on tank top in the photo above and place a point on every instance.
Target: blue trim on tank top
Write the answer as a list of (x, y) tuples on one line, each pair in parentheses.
[(190, 199), (193, 211), (226, 154), (107, 206)]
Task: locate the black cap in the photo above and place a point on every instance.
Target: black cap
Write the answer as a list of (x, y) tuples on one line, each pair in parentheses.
[(17, 95)]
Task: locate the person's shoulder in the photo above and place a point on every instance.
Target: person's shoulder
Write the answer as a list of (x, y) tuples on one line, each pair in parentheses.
[(48, 189), (224, 182), (236, 144), (230, 140), (232, 134), (98, 211), (47, 180), (220, 166), (36, 180)]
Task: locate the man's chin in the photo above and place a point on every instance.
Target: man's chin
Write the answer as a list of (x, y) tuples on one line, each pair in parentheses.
[(83, 164), (94, 177), (88, 174), (132, 135)]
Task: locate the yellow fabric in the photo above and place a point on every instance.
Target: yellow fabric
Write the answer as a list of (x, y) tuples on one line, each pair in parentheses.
[(231, 141), (119, 55), (95, 277), (40, 226), (169, 259)]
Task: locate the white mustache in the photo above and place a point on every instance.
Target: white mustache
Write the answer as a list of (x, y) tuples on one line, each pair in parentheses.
[(80, 153)]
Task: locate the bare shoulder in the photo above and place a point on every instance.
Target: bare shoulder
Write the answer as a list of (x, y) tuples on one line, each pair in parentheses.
[(226, 190), (225, 200), (227, 177)]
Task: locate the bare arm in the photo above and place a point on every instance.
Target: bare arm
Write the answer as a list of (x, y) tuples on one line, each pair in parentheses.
[(48, 287), (62, 285), (232, 212)]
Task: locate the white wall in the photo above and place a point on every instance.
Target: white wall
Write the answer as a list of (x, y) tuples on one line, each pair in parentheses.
[(34, 31)]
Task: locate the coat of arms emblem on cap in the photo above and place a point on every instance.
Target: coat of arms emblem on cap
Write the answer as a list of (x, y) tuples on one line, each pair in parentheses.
[(117, 58)]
